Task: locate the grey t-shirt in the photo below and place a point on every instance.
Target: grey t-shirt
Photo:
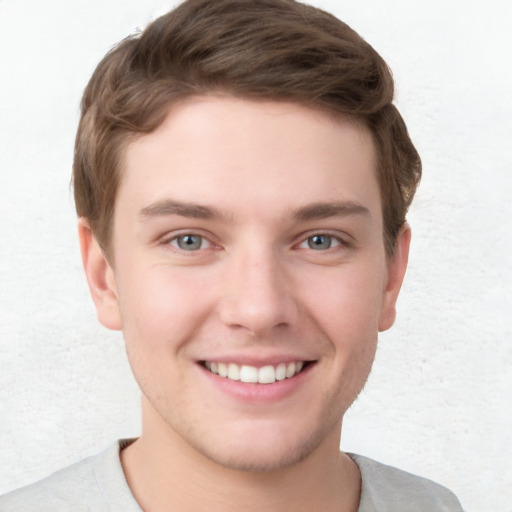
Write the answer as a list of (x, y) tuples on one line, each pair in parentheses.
[(98, 484)]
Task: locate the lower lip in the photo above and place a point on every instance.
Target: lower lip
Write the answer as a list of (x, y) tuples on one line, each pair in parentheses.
[(258, 393)]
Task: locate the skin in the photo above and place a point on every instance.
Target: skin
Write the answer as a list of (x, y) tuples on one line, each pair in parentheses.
[(255, 182)]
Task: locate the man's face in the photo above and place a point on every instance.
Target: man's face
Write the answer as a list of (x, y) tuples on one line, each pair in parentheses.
[(248, 237)]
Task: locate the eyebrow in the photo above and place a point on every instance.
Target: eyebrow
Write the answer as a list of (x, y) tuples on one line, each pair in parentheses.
[(320, 210), (167, 207), (309, 212)]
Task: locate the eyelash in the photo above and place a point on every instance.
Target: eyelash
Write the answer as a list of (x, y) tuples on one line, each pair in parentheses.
[(333, 242)]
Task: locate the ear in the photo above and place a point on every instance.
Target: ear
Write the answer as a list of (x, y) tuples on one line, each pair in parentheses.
[(100, 278), (397, 266)]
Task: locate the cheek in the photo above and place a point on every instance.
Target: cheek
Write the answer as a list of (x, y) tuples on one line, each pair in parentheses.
[(162, 308), (347, 302)]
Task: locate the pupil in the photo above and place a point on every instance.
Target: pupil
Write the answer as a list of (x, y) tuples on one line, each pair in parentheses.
[(320, 242)]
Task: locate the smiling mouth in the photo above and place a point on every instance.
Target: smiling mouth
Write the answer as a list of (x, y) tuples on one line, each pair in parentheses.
[(251, 374)]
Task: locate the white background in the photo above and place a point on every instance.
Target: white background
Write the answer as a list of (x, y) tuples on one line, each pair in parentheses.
[(439, 400)]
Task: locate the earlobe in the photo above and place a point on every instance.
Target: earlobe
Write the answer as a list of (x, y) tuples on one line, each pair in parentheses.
[(100, 278), (397, 266)]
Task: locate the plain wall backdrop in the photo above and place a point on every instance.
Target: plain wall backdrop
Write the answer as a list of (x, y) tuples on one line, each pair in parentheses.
[(438, 402)]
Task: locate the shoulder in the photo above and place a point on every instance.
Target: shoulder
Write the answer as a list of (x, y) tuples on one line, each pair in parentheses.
[(388, 489), (90, 484), (58, 491)]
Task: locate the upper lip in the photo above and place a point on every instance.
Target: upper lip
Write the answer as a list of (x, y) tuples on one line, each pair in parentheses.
[(257, 361)]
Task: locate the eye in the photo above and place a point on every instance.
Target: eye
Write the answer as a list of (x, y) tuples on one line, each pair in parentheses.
[(190, 242), (320, 242)]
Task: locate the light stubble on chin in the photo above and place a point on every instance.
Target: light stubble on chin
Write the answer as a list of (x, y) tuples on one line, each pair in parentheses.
[(245, 460), (249, 464)]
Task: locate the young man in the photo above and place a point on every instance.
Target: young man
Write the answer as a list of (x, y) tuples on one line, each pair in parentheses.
[(242, 179)]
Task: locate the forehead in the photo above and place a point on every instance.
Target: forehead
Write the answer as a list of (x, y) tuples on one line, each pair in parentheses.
[(240, 154)]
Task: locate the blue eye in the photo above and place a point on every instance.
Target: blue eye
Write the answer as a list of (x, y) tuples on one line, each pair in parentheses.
[(189, 242), (321, 242)]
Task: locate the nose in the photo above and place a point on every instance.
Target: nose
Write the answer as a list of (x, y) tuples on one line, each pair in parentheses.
[(257, 293)]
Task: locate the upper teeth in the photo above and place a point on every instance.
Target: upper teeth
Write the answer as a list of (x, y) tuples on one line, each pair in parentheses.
[(264, 375)]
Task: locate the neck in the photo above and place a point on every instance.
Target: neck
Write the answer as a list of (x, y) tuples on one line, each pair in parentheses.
[(165, 474)]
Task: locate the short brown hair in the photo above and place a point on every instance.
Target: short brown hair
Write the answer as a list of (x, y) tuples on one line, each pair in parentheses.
[(256, 49)]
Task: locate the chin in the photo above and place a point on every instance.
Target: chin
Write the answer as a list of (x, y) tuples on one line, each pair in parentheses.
[(265, 449), (253, 460)]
